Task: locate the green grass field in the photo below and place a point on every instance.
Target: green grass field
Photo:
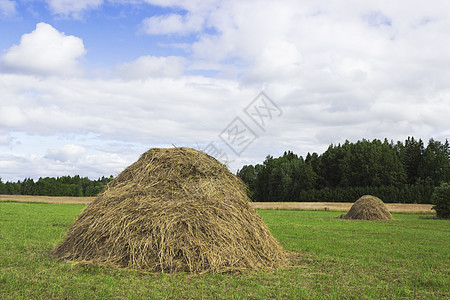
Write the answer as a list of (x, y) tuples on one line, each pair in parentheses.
[(405, 258)]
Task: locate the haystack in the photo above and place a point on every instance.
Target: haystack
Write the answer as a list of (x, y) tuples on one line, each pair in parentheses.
[(367, 208), (173, 210)]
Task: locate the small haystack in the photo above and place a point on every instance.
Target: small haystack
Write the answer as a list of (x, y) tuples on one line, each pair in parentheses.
[(368, 208), (173, 210)]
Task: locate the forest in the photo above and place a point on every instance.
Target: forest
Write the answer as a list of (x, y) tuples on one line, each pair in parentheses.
[(402, 172), (75, 186)]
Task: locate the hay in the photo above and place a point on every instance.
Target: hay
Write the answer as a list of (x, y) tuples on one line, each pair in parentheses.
[(173, 210), (367, 208)]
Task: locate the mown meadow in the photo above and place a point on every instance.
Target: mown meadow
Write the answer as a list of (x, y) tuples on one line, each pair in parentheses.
[(331, 258)]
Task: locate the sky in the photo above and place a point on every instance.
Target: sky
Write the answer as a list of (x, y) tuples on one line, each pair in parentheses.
[(87, 86)]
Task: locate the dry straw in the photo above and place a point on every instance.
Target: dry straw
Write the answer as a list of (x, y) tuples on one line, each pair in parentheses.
[(173, 210), (367, 208)]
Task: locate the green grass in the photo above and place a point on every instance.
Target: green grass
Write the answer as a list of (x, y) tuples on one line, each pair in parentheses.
[(405, 258)]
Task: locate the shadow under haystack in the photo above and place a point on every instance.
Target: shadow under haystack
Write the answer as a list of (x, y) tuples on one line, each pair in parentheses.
[(368, 208), (173, 210)]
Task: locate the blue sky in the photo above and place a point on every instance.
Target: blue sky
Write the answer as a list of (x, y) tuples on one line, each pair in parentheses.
[(111, 34), (87, 86)]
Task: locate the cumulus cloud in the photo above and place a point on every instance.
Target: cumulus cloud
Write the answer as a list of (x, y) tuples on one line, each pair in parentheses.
[(7, 7), (266, 40), (152, 66), (45, 51)]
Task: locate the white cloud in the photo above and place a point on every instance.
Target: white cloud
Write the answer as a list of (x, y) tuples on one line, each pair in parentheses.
[(145, 110), (195, 19), (173, 23), (189, 5), (185, 111), (375, 35), (277, 61), (72, 8), (5, 139), (45, 51), (67, 153), (93, 164), (75, 9), (152, 66), (7, 7)]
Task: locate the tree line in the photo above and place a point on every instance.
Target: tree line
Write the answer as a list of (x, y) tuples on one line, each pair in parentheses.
[(75, 186), (402, 172)]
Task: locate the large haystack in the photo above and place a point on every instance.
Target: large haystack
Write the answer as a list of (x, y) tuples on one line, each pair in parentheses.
[(367, 208), (173, 210)]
